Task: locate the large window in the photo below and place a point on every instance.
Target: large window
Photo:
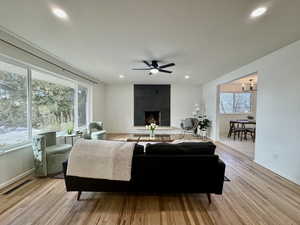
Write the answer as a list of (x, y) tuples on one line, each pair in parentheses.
[(235, 102), (13, 105), (52, 103), (32, 101)]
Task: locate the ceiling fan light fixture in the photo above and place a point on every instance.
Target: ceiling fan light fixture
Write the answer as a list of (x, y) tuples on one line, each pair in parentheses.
[(154, 71)]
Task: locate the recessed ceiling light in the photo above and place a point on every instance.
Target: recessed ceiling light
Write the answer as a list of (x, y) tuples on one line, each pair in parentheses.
[(121, 76), (60, 13), (187, 77), (258, 12)]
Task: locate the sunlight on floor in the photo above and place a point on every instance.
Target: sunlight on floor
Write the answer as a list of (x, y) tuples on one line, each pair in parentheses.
[(246, 146)]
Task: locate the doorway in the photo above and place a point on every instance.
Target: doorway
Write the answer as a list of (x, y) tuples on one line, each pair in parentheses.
[(237, 114)]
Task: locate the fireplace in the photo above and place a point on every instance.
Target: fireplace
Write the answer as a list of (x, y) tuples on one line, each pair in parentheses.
[(152, 104), (152, 117)]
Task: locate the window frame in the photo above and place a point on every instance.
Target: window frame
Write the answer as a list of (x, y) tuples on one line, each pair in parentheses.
[(28, 105), (234, 97), (88, 104), (29, 69)]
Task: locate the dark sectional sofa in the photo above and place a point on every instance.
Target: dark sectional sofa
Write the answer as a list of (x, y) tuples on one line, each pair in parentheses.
[(171, 168)]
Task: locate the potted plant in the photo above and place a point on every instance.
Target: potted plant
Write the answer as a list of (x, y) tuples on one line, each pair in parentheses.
[(203, 126), (152, 128)]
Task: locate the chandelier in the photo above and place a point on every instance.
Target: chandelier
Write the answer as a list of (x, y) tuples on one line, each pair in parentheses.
[(250, 86)]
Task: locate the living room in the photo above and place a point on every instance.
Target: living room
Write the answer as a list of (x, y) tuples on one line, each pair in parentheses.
[(148, 80)]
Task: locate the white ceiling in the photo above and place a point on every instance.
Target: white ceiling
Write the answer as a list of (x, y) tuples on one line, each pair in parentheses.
[(205, 38)]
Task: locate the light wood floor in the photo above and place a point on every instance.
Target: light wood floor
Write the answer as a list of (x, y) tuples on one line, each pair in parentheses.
[(246, 147), (254, 196)]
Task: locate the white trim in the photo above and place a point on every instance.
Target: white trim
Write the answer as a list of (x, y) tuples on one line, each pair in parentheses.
[(76, 108), (91, 104), (29, 103), (15, 148), (17, 178)]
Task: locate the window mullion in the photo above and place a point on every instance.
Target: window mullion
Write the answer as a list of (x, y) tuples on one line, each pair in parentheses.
[(29, 104), (88, 106), (76, 108), (233, 105)]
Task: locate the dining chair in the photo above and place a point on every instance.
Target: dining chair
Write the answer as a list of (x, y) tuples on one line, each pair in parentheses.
[(252, 132), (240, 132)]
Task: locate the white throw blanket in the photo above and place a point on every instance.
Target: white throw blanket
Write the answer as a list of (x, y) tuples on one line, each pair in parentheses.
[(109, 160)]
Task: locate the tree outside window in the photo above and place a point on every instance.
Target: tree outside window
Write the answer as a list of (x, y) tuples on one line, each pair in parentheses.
[(53, 104), (235, 102), (13, 105)]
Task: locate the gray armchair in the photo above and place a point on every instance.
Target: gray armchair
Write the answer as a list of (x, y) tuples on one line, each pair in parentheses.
[(189, 125), (49, 156), (95, 131)]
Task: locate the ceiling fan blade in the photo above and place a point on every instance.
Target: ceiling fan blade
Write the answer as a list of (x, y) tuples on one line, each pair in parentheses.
[(167, 65), (147, 63), (165, 71), (141, 68)]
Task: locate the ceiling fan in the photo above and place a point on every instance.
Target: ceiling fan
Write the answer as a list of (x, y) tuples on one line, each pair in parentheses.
[(154, 68)]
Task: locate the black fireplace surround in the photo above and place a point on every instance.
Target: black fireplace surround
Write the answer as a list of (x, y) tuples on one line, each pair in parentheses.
[(151, 104)]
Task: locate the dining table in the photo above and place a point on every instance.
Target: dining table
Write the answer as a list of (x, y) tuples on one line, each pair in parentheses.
[(239, 124)]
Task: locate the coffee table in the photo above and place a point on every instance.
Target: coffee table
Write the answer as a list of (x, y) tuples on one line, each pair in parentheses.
[(147, 138)]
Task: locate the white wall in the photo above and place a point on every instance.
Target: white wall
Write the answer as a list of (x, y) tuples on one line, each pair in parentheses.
[(15, 163), (119, 105), (278, 109), (183, 100), (98, 103), (118, 108)]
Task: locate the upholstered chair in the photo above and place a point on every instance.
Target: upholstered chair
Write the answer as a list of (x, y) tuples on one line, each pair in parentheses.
[(189, 125), (95, 131), (49, 156)]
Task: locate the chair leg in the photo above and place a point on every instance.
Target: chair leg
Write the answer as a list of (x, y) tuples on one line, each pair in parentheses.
[(209, 197), (78, 195)]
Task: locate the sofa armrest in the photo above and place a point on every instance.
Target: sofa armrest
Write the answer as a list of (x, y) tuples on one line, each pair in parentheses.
[(65, 166), (220, 176), (66, 178)]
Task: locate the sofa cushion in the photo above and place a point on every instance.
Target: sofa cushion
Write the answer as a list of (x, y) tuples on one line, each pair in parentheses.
[(138, 150), (58, 149), (185, 148)]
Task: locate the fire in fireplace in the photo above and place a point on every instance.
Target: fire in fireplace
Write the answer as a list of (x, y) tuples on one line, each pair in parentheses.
[(152, 117)]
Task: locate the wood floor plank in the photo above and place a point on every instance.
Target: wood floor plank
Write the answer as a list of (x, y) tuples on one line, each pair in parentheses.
[(255, 195)]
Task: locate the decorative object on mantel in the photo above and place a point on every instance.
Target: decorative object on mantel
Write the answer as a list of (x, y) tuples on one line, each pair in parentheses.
[(152, 128), (251, 86)]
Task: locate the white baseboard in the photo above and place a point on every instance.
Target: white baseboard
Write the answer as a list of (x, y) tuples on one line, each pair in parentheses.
[(15, 179)]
